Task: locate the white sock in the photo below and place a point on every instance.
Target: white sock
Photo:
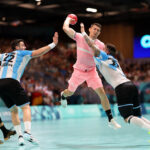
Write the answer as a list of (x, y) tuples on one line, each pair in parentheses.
[(18, 129), (146, 120), (139, 122), (27, 126)]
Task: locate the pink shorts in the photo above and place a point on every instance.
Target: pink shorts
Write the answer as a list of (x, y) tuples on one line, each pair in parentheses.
[(78, 77)]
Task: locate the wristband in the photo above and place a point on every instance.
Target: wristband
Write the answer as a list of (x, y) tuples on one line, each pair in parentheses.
[(67, 21), (52, 45), (84, 33)]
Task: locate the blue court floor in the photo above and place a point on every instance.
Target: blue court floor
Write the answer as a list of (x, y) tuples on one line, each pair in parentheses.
[(82, 134)]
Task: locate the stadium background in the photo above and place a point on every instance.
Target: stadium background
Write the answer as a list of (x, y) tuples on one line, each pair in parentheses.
[(124, 23)]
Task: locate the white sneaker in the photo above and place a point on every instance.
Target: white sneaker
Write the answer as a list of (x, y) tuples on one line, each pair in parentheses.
[(27, 136), (20, 140), (113, 124), (63, 101)]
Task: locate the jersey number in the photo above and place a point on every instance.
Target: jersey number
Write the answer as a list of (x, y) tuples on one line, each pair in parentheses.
[(114, 63), (9, 58)]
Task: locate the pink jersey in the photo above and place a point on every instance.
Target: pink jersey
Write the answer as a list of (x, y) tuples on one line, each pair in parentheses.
[(85, 60)]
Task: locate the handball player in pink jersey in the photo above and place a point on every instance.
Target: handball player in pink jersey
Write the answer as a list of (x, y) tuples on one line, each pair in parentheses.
[(85, 68)]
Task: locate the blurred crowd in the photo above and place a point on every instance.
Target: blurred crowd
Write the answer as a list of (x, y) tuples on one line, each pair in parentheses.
[(47, 76)]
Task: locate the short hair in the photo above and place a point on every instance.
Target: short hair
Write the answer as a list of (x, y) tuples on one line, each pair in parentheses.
[(15, 43), (96, 24), (111, 48)]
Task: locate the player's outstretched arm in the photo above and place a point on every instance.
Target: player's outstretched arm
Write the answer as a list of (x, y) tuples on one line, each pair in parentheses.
[(69, 31), (88, 40), (45, 49)]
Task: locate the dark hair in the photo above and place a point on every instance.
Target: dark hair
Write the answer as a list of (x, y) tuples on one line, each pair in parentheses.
[(97, 24), (15, 43), (112, 49)]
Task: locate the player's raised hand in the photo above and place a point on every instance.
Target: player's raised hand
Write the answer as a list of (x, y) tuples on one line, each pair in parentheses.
[(55, 38), (82, 27), (72, 18)]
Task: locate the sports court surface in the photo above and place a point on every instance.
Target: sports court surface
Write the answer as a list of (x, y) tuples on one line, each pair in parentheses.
[(82, 134)]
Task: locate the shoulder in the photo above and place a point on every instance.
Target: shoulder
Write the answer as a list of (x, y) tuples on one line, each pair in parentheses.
[(24, 52), (100, 44), (78, 35), (103, 56)]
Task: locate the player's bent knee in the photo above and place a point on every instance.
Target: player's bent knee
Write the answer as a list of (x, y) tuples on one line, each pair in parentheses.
[(127, 120), (14, 110), (27, 106)]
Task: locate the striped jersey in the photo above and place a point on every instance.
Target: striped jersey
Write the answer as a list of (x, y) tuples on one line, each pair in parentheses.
[(110, 69), (14, 63), (85, 54)]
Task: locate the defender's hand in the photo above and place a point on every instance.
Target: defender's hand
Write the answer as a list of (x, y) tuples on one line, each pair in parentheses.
[(55, 38), (82, 27)]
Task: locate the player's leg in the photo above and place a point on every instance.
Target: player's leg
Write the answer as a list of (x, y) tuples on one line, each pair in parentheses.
[(17, 125), (27, 123), (145, 120), (106, 106), (18, 97), (104, 101), (8, 100), (138, 122), (95, 83), (125, 94), (26, 117), (6, 133), (136, 102), (76, 79), (137, 107), (126, 112), (22, 100), (137, 119), (4, 94)]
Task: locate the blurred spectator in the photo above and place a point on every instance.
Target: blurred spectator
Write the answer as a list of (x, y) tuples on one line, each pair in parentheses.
[(46, 76)]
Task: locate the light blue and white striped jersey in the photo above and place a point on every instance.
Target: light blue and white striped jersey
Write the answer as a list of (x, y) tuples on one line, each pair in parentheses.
[(110, 69), (14, 63)]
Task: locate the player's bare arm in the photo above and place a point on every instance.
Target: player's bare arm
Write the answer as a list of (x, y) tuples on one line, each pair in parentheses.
[(88, 40), (69, 31), (45, 49)]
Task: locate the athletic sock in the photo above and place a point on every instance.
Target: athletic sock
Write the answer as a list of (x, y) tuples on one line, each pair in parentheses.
[(109, 114), (18, 130), (4, 130), (27, 126)]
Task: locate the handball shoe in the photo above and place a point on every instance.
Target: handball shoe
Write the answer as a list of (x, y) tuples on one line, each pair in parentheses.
[(113, 124)]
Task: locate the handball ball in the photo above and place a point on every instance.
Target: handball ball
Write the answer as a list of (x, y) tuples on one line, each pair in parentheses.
[(74, 17)]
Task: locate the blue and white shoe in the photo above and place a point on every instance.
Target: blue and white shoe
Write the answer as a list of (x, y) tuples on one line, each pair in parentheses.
[(27, 136), (21, 140)]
